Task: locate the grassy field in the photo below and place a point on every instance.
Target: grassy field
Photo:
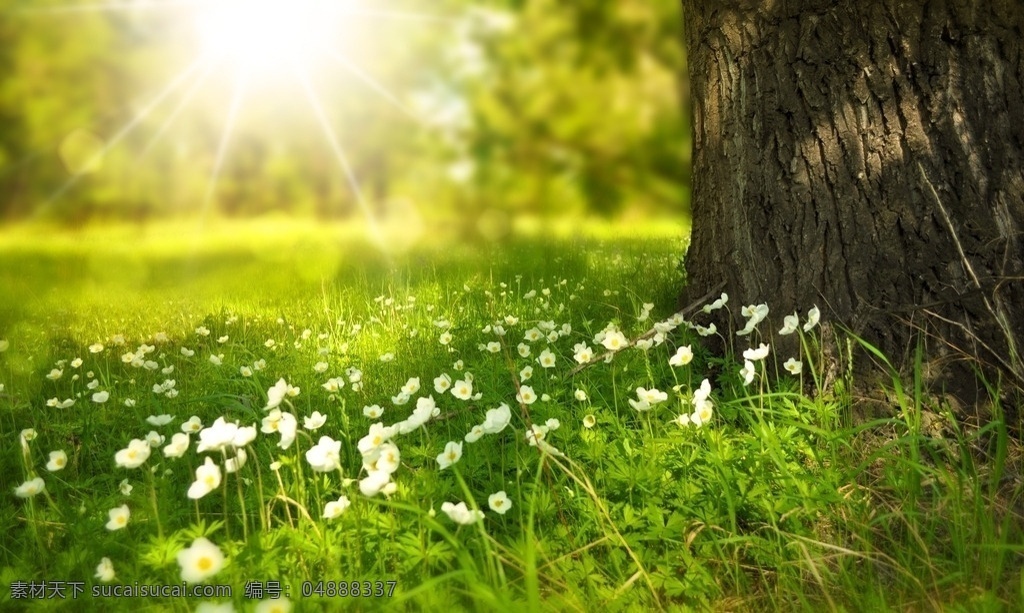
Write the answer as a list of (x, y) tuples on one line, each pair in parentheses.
[(284, 405)]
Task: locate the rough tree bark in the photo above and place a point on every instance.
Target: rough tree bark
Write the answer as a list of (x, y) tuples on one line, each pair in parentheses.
[(866, 156)]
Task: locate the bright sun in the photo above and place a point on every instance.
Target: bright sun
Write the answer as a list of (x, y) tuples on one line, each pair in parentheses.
[(266, 36)]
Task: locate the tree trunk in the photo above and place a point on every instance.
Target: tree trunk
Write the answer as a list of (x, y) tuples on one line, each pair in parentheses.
[(867, 157)]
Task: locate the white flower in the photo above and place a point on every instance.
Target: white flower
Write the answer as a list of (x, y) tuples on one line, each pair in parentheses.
[(526, 395), (526, 373), (524, 350), (378, 435), (76, 363), (30, 488), (452, 454), (747, 372), (546, 359), (217, 360), (651, 396), (442, 383), (185, 351), (639, 405), (460, 513), (812, 319), (389, 458), (134, 455), (118, 517), (58, 460), (400, 399), (462, 389), (178, 445), (207, 479), (335, 508), (154, 438), (273, 605), (445, 338), (614, 340), (334, 385), (790, 324), (203, 331), (717, 304), (411, 386), (701, 414), (580, 395), (373, 411), (314, 421), (287, 427), (373, 483), (55, 374), (683, 420), (499, 502), (200, 561), (497, 419), (325, 456), (387, 357), (583, 354), (233, 465), (245, 371), (105, 571), (682, 357), (244, 435), (474, 434), (794, 366), (159, 420), (4, 345), (101, 397), (193, 425), (218, 436), (276, 394), (320, 367), (758, 354), (755, 315), (589, 421), (125, 487)]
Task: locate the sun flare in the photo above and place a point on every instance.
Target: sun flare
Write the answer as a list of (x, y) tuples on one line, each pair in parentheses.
[(266, 36)]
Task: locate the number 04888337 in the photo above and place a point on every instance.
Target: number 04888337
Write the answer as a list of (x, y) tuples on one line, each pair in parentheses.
[(348, 589)]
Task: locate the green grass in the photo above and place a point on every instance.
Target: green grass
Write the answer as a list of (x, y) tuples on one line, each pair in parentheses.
[(781, 501)]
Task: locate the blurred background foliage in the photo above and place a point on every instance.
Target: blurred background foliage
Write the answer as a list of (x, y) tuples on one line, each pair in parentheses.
[(477, 113)]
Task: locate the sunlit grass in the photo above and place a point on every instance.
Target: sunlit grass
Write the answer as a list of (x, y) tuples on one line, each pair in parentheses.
[(596, 493)]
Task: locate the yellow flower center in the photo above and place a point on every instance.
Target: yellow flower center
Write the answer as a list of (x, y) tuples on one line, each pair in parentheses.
[(204, 563)]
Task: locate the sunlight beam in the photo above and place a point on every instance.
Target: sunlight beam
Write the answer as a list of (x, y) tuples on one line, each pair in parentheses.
[(372, 83), (185, 100), (125, 131), (401, 15), (339, 153), (225, 138)]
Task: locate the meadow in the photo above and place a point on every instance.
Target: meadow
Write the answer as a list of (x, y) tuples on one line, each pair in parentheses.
[(282, 408)]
